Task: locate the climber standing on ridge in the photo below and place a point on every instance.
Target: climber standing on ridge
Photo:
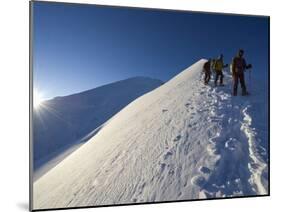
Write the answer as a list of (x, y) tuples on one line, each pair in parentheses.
[(239, 65), (218, 67), (207, 71)]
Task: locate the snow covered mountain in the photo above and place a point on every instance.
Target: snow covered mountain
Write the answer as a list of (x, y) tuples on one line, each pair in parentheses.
[(63, 123), (183, 140)]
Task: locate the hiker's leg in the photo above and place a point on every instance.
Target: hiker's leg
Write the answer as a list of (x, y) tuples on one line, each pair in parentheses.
[(221, 79), (205, 78), (209, 77), (242, 82), (216, 78), (235, 84)]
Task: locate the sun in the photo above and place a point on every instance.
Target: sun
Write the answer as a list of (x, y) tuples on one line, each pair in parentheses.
[(37, 98)]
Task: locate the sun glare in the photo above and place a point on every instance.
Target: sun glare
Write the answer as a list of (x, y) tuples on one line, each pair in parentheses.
[(37, 98)]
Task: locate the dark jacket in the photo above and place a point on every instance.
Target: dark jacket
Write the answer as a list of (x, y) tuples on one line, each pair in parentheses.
[(207, 66), (239, 65)]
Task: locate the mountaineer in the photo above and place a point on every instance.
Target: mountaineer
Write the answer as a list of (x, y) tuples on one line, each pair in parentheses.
[(207, 71), (239, 66), (218, 67)]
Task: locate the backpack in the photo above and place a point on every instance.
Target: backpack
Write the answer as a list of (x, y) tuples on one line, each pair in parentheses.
[(218, 65), (206, 66)]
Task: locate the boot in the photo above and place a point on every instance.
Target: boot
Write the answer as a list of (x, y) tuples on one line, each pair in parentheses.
[(245, 93)]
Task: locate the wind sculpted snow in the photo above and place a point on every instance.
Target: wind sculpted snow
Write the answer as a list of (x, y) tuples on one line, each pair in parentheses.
[(181, 141), (62, 124)]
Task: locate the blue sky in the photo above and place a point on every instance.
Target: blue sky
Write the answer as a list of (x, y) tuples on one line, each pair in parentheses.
[(80, 47)]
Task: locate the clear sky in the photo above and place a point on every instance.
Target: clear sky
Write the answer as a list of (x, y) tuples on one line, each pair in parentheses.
[(80, 47)]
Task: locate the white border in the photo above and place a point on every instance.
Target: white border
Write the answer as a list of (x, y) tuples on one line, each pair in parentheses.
[(14, 58)]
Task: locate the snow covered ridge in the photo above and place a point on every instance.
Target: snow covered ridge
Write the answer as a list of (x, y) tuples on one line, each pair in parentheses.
[(181, 141), (65, 122)]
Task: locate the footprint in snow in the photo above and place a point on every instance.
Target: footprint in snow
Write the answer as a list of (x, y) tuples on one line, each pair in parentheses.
[(212, 150), (186, 149), (177, 138), (204, 170), (162, 167), (198, 181), (224, 97), (212, 140), (202, 92), (193, 114), (231, 144), (203, 194), (171, 172), (187, 136), (167, 155), (229, 120), (194, 124), (202, 110), (214, 119), (168, 122), (134, 200)]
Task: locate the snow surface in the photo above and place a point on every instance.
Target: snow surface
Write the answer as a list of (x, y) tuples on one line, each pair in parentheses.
[(62, 124), (183, 140)]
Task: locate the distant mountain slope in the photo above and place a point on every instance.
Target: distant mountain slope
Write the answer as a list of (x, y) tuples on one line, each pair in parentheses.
[(183, 140), (64, 121)]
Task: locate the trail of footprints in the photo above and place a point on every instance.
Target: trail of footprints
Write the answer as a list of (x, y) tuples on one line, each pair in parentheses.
[(212, 105), (215, 102), (208, 107), (219, 101)]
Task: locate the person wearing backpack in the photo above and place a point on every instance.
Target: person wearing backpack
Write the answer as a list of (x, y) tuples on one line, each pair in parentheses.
[(218, 67), (239, 66), (207, 71)]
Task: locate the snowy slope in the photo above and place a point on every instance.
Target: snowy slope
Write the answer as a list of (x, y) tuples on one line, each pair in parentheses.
[(183, 140), (61, 124)]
